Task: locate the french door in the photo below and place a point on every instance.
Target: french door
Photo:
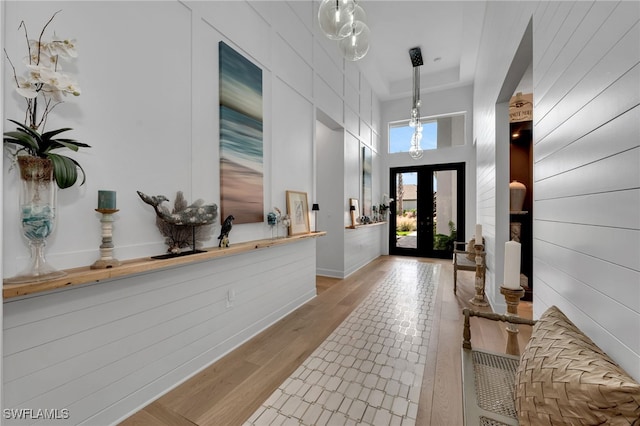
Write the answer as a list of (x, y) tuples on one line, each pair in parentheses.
[(427, 213)]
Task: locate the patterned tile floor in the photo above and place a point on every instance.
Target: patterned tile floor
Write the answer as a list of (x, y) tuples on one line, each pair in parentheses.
[(369, 370)]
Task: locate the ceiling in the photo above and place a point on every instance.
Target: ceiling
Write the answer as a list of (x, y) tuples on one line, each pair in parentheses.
[(448, 33)]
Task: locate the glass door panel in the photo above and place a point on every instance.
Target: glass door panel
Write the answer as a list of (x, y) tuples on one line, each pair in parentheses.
[(445, 209), (428, 211), (406, 229)]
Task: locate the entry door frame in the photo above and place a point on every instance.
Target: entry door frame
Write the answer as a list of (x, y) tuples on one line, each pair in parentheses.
[(425, 208)]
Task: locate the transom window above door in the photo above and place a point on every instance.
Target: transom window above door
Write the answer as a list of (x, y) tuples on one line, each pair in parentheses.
[(437, 132)]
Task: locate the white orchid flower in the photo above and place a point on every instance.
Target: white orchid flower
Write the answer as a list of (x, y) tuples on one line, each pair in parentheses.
[(54, 93), (43, 76), (26, 88), (72, 88), (51, 77), (35, 72), (59, 81), (50, 61), (63, 47), (38, 48)]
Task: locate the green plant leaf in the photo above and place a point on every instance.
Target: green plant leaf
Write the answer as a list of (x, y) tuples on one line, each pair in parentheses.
[(21, 127), (84, 176), (66, 143), (50, 134), (74, 142), (65, 171), (22, 139)]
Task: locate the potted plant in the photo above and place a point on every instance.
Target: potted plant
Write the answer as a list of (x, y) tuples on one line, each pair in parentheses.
[(42, 170), (43, 89)]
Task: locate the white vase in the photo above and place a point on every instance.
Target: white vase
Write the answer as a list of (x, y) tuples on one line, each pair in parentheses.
[(517, 192)]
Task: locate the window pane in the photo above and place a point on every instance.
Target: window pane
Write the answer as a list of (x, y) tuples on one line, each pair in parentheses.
[(437, 133)]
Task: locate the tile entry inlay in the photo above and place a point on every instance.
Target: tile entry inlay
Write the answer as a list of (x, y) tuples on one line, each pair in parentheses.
[(369, 370)]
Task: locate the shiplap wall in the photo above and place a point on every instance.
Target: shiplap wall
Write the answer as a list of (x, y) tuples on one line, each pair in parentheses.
[(363, 245), (586, 160), (586, 72), (105, 350)]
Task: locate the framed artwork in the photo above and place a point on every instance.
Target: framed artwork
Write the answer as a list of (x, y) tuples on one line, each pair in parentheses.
[(354, 208), (367, 168), (298, 211), (241, 147)]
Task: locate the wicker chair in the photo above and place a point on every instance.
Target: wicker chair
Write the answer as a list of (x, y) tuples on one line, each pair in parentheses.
[(465, 260)]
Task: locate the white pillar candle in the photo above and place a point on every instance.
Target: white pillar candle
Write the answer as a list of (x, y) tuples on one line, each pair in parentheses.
[(512, 265), (478, 236)]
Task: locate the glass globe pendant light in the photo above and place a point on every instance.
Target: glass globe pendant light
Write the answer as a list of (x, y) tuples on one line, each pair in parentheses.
[(356, 45), (333, 15), (415, 151), (344, 21)]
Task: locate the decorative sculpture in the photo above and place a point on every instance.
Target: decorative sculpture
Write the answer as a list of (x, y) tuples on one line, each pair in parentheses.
[(184, 220), (224, 231), (194, 215)]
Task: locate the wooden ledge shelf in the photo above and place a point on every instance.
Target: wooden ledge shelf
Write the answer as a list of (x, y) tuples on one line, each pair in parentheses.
[(84, 274), (365, 225)]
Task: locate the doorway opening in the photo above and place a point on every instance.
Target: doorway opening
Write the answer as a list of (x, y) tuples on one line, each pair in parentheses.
[(428, 213)]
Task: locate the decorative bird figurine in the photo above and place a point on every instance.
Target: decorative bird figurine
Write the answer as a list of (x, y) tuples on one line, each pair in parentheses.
[(196, 214), (224, 231)]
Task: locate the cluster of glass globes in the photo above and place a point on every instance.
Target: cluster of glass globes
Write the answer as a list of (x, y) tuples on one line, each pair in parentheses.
[(344, 21), (415, 151)]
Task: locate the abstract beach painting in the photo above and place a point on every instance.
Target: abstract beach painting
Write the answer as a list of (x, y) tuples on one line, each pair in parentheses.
[(241, 141)]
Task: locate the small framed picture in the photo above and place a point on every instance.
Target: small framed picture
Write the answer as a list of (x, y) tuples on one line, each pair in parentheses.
[(298, 211)]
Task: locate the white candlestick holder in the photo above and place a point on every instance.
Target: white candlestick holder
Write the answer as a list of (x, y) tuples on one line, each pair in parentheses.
[(106, 248)]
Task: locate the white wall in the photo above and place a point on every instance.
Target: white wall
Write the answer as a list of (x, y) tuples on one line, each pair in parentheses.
[(347, 105), (330, 155), (586, 173), (586, 155), (149, 108), (1, 211), (344, 251), (105, 350)]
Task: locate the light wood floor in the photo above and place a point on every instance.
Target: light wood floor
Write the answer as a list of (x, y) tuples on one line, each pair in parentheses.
[(230, 390)]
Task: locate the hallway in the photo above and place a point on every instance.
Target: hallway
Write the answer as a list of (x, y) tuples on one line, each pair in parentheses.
[(369, 370), (232, 389)]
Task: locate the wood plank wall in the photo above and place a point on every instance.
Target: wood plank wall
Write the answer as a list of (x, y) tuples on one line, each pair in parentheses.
[(587, 170), (362, 245), (104, 350), (586, 72)]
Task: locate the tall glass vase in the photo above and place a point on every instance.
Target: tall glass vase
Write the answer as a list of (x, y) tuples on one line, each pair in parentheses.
[(38, 191)]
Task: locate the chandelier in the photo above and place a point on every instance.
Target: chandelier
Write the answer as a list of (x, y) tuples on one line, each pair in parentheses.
[(415, 151), (344, 21)]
